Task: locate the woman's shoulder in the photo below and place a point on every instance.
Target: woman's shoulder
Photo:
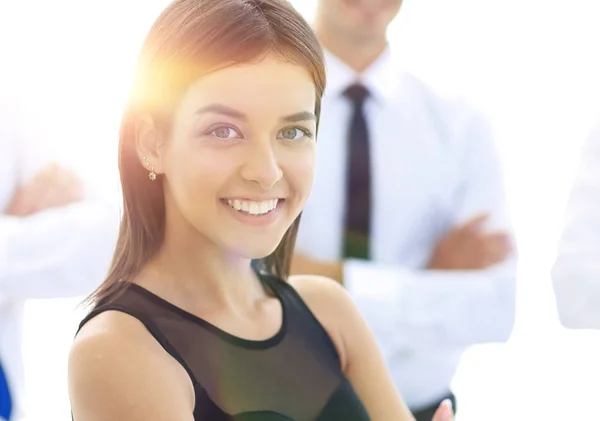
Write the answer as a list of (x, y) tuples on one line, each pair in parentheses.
[(113, 356), (109, 328), (111, 341), (319, 290), (331, 305)]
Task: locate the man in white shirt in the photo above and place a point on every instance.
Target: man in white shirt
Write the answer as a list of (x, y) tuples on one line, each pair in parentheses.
[(433, 268), (54, 241), (576, 272)]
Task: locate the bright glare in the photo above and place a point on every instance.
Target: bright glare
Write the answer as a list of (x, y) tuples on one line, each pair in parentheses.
[(532, 65)]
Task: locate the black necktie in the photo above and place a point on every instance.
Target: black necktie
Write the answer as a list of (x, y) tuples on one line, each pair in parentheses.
[(358, 176)]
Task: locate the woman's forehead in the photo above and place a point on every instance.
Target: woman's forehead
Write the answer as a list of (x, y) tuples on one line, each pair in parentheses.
[(269, 83)]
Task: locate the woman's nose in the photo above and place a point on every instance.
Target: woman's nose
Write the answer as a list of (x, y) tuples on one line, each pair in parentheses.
[(262, 167)]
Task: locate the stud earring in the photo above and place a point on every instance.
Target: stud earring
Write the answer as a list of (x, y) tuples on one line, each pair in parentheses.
[(151, 174)]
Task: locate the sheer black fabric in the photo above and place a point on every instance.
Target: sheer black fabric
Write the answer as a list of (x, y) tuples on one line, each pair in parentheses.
[(294, 375)]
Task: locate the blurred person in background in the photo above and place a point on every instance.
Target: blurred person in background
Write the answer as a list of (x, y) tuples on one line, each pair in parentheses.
[(55, 239), (576, 271), (408, 208)]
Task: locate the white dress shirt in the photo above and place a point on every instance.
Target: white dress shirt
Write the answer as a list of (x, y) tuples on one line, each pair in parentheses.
[(60, 252), (434, 167), (576, 272)]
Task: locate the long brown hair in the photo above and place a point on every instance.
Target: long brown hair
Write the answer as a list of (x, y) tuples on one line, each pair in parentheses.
[(190, 38)]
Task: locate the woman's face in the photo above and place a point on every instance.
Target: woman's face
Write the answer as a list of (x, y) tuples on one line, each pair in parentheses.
[(239, 164)]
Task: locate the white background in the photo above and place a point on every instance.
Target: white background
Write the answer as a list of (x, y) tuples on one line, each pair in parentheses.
[(532, 65)]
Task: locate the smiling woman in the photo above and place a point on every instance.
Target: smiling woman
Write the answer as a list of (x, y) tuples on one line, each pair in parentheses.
[(233, 140), (216, 159)]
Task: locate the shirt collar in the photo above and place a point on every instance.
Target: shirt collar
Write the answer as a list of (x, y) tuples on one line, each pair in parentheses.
[(380, 78)]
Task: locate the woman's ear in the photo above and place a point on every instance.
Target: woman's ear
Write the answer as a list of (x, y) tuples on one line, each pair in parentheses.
[(148, 142)]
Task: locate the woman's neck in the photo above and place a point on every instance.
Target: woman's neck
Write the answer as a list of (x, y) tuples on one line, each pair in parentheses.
[(195, 272)]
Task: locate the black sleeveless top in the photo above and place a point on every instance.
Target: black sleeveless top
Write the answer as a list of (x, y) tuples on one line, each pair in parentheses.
[(293, 376)]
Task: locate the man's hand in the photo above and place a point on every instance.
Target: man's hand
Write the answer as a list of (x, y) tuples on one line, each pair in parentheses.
[(52, 187), (303, 265), (469, 247)]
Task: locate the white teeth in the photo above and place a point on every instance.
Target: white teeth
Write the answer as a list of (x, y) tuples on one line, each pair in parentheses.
[(264, 207), (253, 208)]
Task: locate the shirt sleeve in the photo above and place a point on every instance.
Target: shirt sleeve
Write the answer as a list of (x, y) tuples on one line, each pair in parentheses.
[(576, 271), (59, 252)]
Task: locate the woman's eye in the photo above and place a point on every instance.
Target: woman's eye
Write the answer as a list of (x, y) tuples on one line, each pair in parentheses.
[(225, 133), (295, 133)]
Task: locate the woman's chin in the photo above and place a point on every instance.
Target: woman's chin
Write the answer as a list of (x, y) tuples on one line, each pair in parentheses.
[(254, 251)]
